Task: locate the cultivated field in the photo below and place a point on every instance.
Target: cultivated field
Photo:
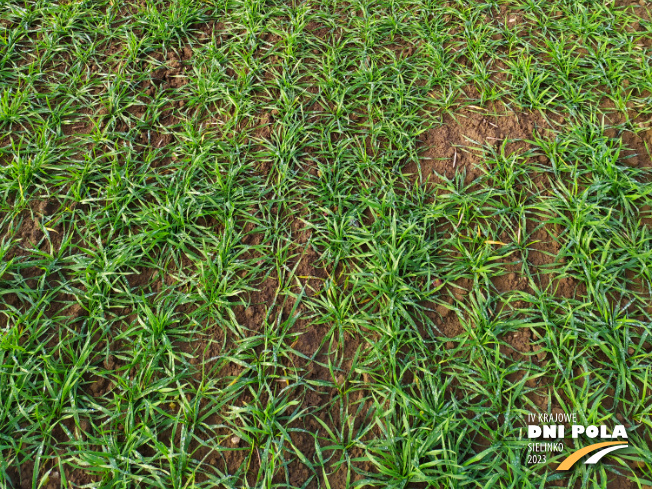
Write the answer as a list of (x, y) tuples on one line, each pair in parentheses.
[(322, 243)]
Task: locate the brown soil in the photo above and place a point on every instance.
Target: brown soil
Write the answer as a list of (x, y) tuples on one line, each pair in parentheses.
[(454, 146), (449, 147)]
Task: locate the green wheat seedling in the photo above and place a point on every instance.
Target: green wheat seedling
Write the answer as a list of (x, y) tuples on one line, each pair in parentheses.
[(232, 256)]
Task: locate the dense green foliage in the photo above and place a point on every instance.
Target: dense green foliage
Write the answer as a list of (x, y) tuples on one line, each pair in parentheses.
[(168, 167)]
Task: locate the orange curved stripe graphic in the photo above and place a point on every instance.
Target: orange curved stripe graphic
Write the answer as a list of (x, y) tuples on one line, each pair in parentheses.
[(574, 457)]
